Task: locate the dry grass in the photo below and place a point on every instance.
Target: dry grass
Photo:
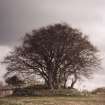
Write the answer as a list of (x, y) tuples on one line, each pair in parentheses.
[(92, 100)]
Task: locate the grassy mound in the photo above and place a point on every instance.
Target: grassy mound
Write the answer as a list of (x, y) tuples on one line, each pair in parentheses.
[(43, 91)]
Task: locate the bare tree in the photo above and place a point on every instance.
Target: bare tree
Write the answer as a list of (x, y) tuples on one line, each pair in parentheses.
[(53, 52)]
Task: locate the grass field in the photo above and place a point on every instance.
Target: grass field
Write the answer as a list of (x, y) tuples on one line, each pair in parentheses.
[(92, 100)]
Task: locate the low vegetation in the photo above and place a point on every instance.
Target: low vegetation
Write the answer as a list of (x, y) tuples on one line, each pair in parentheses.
[(100, 90)]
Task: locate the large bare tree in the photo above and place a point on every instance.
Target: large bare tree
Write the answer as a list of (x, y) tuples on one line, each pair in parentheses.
[(54, 53)]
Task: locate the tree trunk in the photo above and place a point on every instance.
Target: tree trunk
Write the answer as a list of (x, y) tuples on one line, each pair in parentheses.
[(65, 83), (65, 80), (73, 81), (50, 83), (72, 84), (50, 80)]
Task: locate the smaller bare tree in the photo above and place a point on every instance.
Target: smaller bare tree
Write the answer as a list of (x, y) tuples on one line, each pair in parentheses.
[(14, 81)]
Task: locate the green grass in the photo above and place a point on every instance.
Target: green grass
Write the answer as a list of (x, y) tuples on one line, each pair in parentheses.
[(92, 100)]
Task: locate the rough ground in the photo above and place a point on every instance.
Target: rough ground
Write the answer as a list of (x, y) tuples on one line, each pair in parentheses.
[(92, 100)]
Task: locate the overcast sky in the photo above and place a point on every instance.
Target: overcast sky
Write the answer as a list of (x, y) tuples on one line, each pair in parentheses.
[(20, 16)]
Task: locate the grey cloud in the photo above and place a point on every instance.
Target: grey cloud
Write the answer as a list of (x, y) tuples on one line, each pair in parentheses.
[(20, 16)]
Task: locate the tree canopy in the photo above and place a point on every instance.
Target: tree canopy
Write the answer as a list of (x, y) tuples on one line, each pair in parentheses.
[(54, 52)]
